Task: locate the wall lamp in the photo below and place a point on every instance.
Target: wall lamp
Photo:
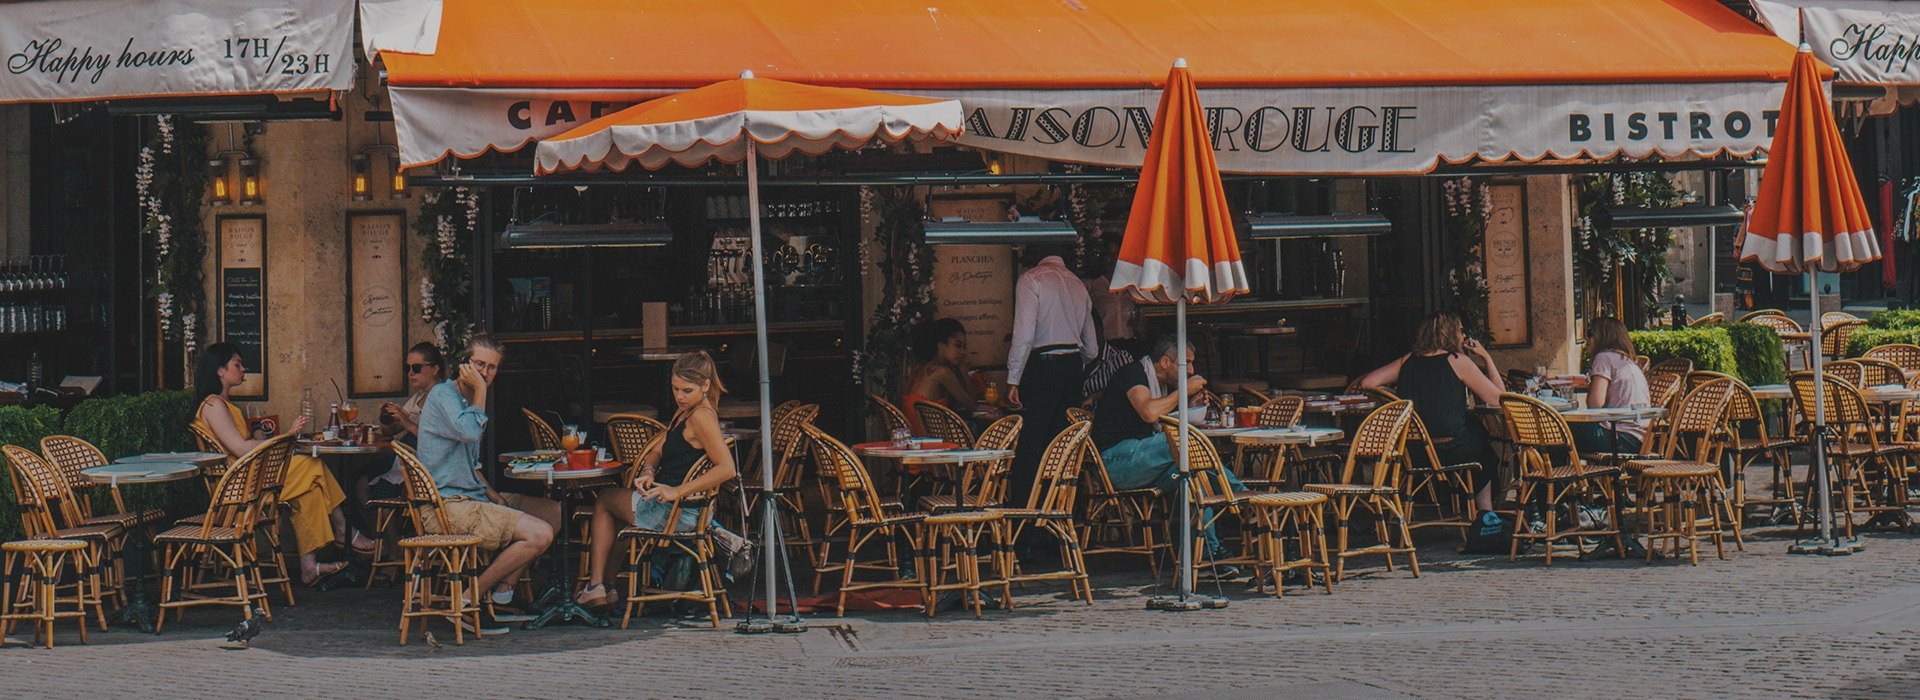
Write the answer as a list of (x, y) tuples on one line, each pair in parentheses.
[(546, 234), (1667, 217), (1269, 226), (1028, 229)]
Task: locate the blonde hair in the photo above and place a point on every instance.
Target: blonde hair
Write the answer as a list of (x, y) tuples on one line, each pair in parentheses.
[(698, 367), (1440, 332)]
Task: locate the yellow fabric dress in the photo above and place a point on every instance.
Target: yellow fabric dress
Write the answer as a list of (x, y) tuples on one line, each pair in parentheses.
[(308, 488)]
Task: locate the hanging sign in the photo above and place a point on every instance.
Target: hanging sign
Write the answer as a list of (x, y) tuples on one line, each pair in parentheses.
[(243, 296), (376, 283), (1308, 131), (68, 50), (1871, 42)]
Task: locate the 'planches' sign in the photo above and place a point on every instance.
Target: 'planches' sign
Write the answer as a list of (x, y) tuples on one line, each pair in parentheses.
[(1317, 130), (105, 49)]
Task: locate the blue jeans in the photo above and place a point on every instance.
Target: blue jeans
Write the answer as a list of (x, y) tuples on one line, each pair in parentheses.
[(1596, 437), (1148, 461)]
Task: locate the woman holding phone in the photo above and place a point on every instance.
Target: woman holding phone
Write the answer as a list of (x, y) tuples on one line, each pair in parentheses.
[(1437, 376)]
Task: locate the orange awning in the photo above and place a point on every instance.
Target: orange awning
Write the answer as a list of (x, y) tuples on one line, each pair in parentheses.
[(1089, 44)]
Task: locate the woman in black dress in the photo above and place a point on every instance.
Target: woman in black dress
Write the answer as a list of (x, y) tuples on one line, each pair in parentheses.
[(1441, 381)]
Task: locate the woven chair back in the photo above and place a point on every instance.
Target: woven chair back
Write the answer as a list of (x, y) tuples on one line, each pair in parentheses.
[(1702, 419), (1643, 361), (1878, 372), (1712, 319), (1419, 443), (852, 484), (1664, 389), (236, 500), (1282, 412), (544, 438), (1836, 317), (632, 434), (71, 454), (423, 495), (1833, 339), (791, 445), (1381, 397), (1672, 365), (1003, 434), (1054, 484), (1776, 320), (1698, 377), (1905, 356), (1541, 436), (701, 502), (36, 485), (209, 443), (783, 409), (1203, 462), (1844, 405), (1378, 444), (890, 414), (1749, 316), (1076, 414), (1849, 370), (942, 423)]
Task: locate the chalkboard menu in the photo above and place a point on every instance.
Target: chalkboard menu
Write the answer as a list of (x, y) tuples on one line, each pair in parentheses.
[(243, 296)]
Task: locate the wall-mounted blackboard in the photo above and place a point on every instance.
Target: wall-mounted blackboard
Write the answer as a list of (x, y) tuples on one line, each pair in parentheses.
[(243, 296)]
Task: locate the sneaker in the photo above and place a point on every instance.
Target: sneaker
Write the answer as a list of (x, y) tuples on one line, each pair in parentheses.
[(505, 612), (1219, 573), (488, 625)]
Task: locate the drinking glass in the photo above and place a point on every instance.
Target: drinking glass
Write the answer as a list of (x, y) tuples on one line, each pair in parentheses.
[(570, 437), (348, 411), (902, 438)]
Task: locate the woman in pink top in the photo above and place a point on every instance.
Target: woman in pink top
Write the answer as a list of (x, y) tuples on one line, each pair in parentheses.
[(1614, 381)]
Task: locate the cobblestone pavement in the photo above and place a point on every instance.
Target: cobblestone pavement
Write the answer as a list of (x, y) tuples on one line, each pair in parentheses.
[(1762, 623)]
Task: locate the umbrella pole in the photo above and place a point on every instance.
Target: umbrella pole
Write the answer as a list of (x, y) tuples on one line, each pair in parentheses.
[(1186, 480), (771, 539), (1830, 543)]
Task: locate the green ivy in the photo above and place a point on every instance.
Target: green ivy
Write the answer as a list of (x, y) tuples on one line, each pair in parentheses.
[(1643, 251), (1892, 318), (905, 262), (447, 222), (1758, 353), (1710, 348), (1865, 339)]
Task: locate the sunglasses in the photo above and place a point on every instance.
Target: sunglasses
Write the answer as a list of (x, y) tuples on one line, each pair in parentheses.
[(418, 367)]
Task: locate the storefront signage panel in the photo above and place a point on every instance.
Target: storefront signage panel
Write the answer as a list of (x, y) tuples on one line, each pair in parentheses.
[(1865, 42), (1313, 131), (1509, 298), (243, 296), (376, 309), (102, 49), (973, 284)]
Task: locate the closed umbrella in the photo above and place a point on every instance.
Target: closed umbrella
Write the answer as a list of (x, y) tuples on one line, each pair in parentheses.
[(1180, 246), (720, 122), (1809, 218)]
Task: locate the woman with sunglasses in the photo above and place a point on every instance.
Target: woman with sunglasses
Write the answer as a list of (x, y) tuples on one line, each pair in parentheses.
[(401, 421)]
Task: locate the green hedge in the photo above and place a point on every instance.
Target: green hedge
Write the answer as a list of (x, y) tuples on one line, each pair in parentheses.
[(1710, 347), (1758, 353), (155, 421), (1865, 339), (1894, 319)]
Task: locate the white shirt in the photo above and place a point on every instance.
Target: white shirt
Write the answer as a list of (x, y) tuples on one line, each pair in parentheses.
[(1050, 307)]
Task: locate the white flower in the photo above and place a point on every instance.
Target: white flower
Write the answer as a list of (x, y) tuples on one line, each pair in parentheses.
[(164, 304), (188, 330), (165, 123)]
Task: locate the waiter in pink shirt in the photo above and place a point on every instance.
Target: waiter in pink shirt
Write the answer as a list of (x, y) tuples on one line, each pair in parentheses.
[(1053, 338)]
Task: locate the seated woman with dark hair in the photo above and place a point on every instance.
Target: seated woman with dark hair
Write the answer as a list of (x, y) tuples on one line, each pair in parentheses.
[(307, 487), (941, 376)]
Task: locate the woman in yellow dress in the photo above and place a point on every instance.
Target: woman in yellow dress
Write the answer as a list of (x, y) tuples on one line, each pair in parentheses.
[(308, 488)]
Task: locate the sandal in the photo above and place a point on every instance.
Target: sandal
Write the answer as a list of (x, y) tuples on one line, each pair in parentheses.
[(321, 572), (593, 596), (354, 539)]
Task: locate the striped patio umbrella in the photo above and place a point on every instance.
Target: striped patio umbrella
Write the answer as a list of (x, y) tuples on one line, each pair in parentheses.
[(1808, 218), (1180, 247), (720, 122)]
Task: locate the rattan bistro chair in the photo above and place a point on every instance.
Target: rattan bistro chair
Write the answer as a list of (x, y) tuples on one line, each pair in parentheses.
[(695, 543), (1866, 476), (1833, 338), (891, 416), (942, 423), (1905, 356), (1446, 489), (210, 474), (1553, 476), (224, 541), (791, 454), (1877, 372), (991, 489), (1117, 521), (1049, 506), (1757, 313), (541, 432), (868, 522), (47, 512), (1712, 319), (1371, 479), (439, 568), (1848, 370), (72, 454), (1672, 365), (1676, 488), (1213, 499)]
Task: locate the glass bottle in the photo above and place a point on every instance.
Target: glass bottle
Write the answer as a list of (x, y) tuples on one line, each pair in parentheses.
[(306, 407)]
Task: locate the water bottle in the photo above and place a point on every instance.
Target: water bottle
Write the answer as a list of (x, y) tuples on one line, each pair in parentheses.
[(306, 407), (34, 372)]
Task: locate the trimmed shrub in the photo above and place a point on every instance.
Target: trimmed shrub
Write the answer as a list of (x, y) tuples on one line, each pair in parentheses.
[(1865, 339), (1710, 347), (1894, 319), (155, 421), (1758, 353)]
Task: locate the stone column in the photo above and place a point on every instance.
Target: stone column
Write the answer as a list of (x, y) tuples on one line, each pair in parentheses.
[(1555, 335)]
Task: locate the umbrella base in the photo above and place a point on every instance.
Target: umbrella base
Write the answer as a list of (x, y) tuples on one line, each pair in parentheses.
[(1192, 602), (1828, 549)]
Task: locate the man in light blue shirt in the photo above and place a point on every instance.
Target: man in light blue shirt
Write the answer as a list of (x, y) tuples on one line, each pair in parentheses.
[(452, 422)]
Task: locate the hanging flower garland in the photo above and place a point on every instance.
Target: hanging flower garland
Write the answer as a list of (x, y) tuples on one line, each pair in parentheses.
[(900, 251), (1465, 223), (169, 185), (1642, 252), (1088, 207), (449, 218)]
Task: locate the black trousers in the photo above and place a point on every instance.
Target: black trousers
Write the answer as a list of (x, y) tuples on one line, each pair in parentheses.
[(1048, 387)]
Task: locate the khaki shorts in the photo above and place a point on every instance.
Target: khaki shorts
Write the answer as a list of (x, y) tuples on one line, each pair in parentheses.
[(492, 522)]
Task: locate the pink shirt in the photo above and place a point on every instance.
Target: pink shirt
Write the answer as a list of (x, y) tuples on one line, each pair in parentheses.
[(1626, 386)]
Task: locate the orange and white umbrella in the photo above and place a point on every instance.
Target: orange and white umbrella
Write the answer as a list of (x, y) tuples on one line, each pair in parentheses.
[(1180, 242), (1180, 247), (1809, 214), (717, 121), (1808, 218)]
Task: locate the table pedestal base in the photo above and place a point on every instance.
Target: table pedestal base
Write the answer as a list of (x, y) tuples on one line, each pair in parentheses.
[(138, 610), (1195, 601), (559, 605), (1827, 549)]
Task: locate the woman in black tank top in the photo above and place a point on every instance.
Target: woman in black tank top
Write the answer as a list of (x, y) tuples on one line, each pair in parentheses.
[(1440, 380), (662, 479)]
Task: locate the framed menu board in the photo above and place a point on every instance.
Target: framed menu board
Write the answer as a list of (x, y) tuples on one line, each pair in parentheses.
[(243, 295), (1509, 297), (974, 285), (376, 303)]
